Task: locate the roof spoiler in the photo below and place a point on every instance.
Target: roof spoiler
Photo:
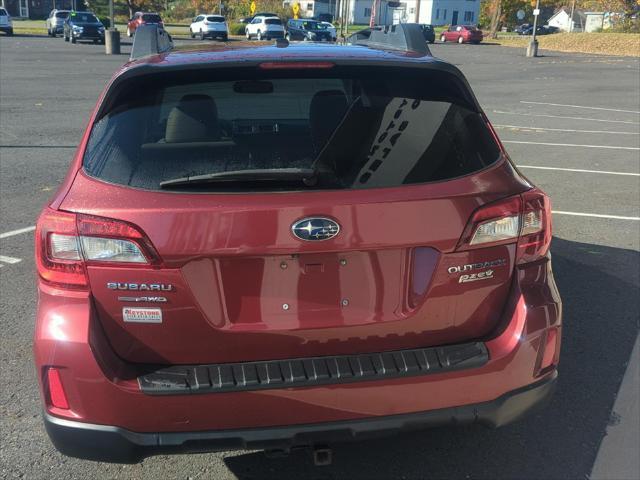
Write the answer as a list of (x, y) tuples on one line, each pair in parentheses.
[(403, 36), (150, 40)]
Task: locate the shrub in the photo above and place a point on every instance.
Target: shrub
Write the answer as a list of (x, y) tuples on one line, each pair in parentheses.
[(236, 29)]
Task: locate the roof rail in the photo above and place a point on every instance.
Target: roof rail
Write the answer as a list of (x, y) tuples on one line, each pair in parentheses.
[(150, 40), (403, 36)]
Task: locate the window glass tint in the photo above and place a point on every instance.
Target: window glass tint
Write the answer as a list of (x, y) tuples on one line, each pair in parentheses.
[(360, 130), (273, 21), (83, 18), (3, 12), (151, 18), (215, 19), (62, 14)]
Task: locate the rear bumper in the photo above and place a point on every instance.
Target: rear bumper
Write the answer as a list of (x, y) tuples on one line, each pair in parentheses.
[(6, 28), (114, 444)]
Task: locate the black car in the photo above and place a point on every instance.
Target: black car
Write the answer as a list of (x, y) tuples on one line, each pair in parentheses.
[(428, 32), (83, 26), (520, 29), (308, 30)]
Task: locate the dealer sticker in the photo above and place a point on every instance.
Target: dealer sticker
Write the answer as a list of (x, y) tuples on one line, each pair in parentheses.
[(142, 315)]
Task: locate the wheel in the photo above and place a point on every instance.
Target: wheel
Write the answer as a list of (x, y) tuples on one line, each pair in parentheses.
[(72, 38), (432, 41), (443, 38), (460, 40), (225, 38), (193, 35), (259, 35), (288, 37), (201, 35), (128, 32), (246, 34), (10, 32), (66, 39)]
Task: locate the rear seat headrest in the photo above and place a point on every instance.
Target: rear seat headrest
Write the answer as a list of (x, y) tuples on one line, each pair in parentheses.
[(194, 119)]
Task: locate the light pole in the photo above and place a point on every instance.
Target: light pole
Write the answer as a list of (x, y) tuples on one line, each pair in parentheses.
[(532, 49)]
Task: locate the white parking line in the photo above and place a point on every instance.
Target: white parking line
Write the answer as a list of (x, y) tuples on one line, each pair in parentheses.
[(580, 106), (609, 147), (9, 260), (596, 215), (520, 127), (502, 112), (17, 232), (580, 170)]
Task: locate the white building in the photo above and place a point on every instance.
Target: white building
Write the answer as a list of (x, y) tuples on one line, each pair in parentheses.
[(561, 19), (434, 12)]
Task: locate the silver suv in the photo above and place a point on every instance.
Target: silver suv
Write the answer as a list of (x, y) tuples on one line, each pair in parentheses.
[(6, 25), (55, 22)]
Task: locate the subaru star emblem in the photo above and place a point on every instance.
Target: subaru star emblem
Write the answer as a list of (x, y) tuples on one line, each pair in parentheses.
[(315, 228)]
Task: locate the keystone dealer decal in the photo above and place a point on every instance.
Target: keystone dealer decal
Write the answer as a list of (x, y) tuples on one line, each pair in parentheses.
[(142, 315)]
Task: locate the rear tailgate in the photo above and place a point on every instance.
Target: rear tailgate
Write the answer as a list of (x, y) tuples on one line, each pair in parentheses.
[(236, 284)]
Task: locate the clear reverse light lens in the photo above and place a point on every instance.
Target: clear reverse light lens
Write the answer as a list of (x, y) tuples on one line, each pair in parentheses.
[(64, 247), (497, 230), (532, 222), (111, 250)]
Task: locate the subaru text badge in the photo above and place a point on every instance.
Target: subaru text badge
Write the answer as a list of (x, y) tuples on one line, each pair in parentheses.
[(315, 228)]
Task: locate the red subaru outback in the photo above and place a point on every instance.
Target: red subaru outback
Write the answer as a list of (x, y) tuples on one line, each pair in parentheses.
[(289, 245)]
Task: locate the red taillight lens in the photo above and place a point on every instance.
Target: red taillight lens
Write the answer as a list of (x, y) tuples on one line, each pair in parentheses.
[(57, 397), (58, 257), (525, 219), (65, 242)]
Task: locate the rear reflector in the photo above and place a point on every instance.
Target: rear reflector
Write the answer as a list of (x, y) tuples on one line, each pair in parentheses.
[(57, 397)]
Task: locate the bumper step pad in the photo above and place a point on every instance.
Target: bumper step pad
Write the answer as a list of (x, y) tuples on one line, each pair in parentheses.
[(310, 372)]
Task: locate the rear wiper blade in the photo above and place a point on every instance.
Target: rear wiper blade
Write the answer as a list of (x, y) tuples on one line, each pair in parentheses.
[(304, 175)]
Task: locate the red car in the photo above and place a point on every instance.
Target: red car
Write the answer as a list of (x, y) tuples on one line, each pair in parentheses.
[(461, 34), (142, 18), (289, 245)]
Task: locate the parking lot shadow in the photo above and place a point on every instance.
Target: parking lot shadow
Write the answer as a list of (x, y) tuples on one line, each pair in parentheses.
[(599, 287)]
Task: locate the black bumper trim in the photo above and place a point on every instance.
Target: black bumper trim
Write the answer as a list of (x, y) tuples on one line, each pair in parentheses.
[(312, 371), (114, 444)]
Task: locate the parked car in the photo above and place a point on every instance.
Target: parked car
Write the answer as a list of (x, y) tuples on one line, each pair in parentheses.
[(258, 14), (264, 28), (540, 30), (334, 251), (143, 18), (520, 29), (428, 32), (308, 30), (209, 26), (6, 24), (550, 29), (83, 26), (331, 28), (55, 22), (462, 34)]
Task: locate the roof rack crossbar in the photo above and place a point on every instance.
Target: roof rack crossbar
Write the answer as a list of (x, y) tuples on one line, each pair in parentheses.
[(403, 36), (150, 40)]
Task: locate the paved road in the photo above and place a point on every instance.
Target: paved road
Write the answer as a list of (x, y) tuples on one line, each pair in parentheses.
[(570, 121)]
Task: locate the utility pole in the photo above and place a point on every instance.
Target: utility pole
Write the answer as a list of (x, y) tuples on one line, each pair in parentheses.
[(573, 9), (417, 20), (372, 17), (532, 49)]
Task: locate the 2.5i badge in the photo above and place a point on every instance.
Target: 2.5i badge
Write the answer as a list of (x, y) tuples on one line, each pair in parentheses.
[(141, 315)]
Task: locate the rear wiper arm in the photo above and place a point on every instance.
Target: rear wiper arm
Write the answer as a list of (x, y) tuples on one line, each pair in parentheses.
[(304, 175)]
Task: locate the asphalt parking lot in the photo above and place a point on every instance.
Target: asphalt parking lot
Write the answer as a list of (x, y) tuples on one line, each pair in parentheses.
[(570, 122)]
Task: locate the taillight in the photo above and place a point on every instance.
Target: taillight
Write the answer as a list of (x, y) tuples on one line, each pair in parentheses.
[(295, 65), (525, 219), (67, 242)]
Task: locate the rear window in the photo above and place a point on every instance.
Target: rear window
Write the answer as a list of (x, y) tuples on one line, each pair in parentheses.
[(151, 18), (62, 14), (215, 19), (352, 127), (3, 12), (273, 21), (84, 18)]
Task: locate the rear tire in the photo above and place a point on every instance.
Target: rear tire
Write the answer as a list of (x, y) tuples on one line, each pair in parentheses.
[(191, 34), (201, 35), (73, 39), (225, 38), (66, 39), (460, 40), (259, 36), (443, 39), (246, 34)]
